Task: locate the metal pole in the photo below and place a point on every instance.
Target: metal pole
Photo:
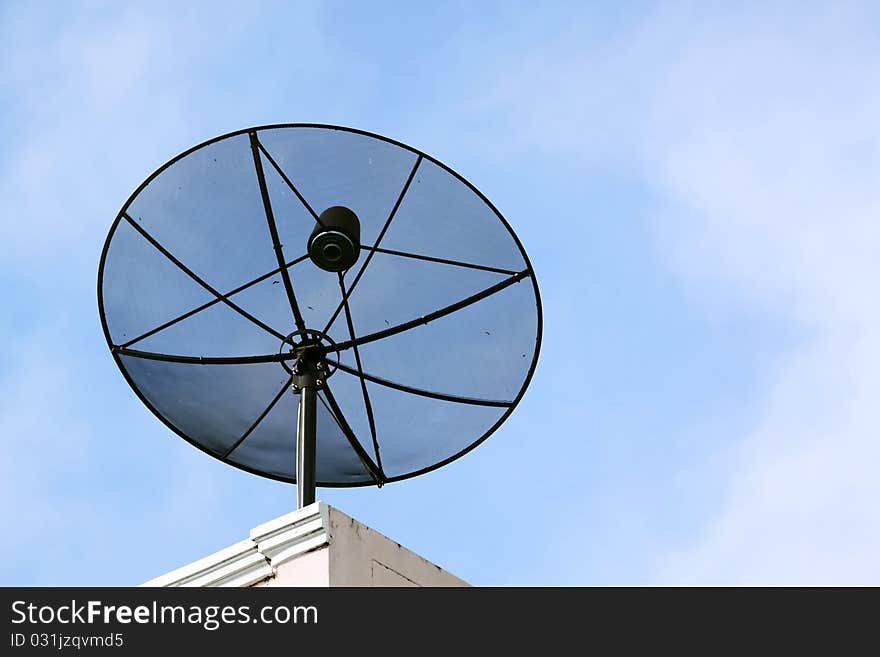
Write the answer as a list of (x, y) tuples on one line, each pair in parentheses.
[(305, 444)]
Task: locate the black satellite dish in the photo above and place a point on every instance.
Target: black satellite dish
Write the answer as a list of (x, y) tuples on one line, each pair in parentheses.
[(365, 277)]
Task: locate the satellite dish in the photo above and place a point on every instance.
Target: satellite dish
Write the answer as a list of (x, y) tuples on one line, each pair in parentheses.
[(319, 305)]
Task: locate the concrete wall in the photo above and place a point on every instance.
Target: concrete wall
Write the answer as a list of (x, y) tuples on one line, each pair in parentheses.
[(314, 546), (360, 556)]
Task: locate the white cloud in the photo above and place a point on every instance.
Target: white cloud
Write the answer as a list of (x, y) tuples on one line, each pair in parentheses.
[(87, 94), (98, 97), (776, 163), (78, 88), (760, 132)]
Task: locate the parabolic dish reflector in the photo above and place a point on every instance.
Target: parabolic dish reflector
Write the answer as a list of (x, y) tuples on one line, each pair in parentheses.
[(208, 296)]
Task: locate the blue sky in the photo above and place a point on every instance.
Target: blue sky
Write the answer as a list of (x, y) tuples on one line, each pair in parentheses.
[(697, 188)]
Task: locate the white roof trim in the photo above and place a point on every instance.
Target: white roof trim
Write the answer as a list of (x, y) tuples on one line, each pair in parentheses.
[(289, 536), (258, 557)]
